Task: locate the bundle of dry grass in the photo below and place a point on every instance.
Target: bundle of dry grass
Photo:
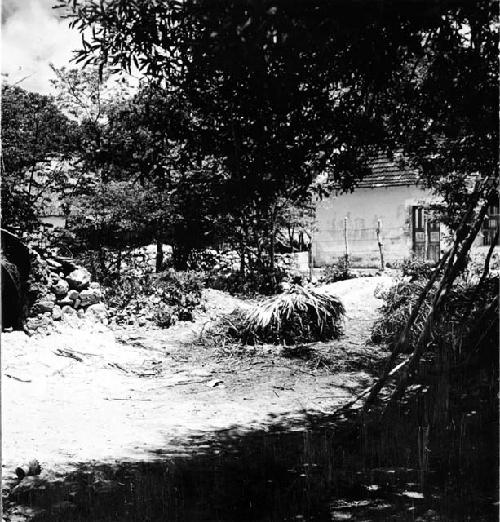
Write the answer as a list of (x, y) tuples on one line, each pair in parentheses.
[(298, 316)]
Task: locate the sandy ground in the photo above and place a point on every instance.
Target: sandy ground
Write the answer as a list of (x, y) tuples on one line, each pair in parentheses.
[(78, 395)]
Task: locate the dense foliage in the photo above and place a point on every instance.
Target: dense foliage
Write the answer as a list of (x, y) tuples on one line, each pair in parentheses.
[(339, 271), (467, 300), (36, 138)]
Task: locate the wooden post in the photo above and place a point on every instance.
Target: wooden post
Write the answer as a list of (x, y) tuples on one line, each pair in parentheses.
[(345, 241), (380, 245), (242, 259), (426, 239), (310, 260), (159, 254)]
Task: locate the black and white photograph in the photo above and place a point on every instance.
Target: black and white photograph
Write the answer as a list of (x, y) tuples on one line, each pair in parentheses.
[(249, 260)]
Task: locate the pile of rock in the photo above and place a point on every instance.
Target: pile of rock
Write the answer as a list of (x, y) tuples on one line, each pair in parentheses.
[(63, 291), (210, 259), (296, 263), (142, 312), (146, 256), (230, 261)]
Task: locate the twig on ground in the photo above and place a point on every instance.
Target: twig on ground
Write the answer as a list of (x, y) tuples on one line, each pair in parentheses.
[(118, 367), (67, 353), (125, 399), (332, 397), (17, 378)]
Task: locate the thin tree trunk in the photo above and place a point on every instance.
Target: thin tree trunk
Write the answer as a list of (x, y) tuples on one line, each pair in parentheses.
[(119, 263), (102, 263), (272, 239), (242, 259), (380, 245), (487, 261), (345, 243), (404, 335), (159, 254), (447, 258), (271, 250), (453, 270)]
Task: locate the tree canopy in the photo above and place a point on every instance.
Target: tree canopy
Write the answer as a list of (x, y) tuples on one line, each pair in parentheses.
[(247, 102), (34, 133), (284, 90)]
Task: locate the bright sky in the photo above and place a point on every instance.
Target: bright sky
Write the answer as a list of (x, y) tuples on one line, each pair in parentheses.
[(33, 36)]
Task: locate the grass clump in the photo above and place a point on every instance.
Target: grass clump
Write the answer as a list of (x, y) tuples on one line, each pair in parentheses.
[(465, 303), (299, 315), (339, 271), (399, 301)]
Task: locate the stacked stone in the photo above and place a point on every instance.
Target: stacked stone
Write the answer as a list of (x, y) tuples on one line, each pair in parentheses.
[(221, 261), (67, 293), (228, 261)]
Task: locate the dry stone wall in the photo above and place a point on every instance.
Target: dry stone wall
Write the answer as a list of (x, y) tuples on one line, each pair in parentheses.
[(60, 290)]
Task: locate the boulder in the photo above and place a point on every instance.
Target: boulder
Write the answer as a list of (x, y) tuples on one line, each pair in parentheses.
[(68, 311), (94, 285), (90, 297), (73, 295), (79, 279), (57, 313), (98, 311), (54, 264), (30, 469), (60, 287), (32, 323), (43, 305)]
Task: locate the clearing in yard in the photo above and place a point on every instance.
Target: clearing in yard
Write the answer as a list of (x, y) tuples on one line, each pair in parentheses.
[(129, 395)]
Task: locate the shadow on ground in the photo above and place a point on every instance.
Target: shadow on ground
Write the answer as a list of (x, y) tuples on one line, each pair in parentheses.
[(320, 469)]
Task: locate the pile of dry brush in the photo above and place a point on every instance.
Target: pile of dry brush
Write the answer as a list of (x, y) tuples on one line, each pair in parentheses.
[(299, 315)]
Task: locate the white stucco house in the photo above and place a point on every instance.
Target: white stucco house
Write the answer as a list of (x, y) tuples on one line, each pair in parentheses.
[(392, 200)]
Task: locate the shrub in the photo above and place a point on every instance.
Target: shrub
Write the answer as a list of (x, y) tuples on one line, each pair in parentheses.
[(226, 330), (339, 271), (181, 290), (264, 281), (297, 316), (463, 303), (416, 269), (162, 298), (399, 301)]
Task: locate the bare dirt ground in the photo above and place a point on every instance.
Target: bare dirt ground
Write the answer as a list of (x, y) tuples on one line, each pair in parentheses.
[(83, 394)]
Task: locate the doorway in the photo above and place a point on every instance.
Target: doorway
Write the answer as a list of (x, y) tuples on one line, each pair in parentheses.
[(426, 235)]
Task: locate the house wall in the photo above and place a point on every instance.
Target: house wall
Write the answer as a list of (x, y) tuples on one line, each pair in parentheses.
[(363, 207)]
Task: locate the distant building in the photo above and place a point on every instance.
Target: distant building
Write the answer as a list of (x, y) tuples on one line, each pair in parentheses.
[(51, 212), (391, 199), (50, 184)]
